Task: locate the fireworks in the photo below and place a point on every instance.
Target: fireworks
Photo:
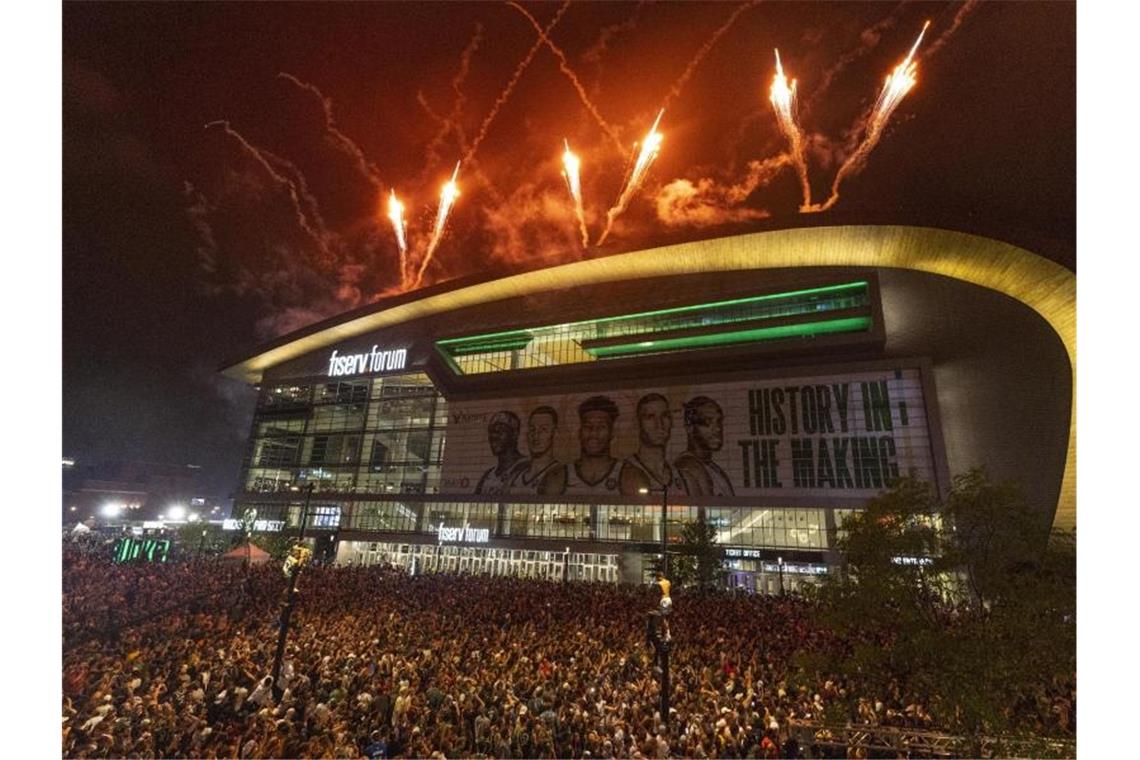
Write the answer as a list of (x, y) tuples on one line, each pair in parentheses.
[(898, 83), (570, 164), (396, 215), (783, 98), (702, 202), (650, 147), (564, 67), (447, 198)]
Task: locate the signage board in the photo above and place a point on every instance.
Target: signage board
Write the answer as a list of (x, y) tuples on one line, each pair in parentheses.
[(368, 362), (838, 435)]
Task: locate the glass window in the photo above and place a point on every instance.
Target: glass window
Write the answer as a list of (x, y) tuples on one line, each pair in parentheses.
[(578, 342), (343, 392), (277, 452), (284, 396), (334, 449)]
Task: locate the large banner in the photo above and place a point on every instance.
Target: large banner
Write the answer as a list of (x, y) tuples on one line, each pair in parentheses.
[(837, 435)]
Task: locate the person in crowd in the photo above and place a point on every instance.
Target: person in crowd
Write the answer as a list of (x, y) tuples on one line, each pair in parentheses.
[(384, 664)]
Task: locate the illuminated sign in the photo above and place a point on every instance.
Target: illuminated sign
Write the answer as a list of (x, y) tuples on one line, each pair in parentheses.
[(912, 560), (464, 534), (263, 526), (372, 361), (144, 549), (773, 567)]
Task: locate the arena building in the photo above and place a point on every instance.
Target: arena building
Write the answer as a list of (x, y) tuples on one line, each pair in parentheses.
[(768, 383)]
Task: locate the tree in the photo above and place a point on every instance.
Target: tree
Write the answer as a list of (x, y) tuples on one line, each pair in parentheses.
[(276, 545), (965, 601), (699, 562), (202, 539)]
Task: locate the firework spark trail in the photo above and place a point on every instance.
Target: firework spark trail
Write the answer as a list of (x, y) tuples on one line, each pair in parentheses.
[(675, 90), (564, 67), (898, 83), (303, 191), (450, 123), (505, 95), (783, 98), (570, 164), (447, 198), (455, 127), (396, 215), (869, 39), (339, 139), (263, 157), (650, 147), (595, 51), (966, 9), (760, 173)]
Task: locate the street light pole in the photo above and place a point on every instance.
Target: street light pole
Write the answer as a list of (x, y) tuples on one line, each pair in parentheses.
[(656, 618), (665, 643), (290, 598)]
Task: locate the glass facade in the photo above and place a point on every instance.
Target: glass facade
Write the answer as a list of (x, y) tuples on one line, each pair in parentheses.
[(518, 563), (784, 529), (365, 456), (741, 320), (365, 443), (381, 435)]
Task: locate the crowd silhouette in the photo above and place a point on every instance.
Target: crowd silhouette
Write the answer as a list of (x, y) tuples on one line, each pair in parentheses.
[(173, 660)]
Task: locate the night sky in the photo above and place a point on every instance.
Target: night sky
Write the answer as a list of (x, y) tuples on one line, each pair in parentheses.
[(181, 249)]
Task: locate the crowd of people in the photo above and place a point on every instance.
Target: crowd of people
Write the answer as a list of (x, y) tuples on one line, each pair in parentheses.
[(381, 664)]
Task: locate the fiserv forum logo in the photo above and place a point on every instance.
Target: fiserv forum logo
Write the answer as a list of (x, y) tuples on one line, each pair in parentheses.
[(372, 361)]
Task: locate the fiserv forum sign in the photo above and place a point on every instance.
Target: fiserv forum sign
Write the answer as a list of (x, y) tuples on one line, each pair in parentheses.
[(836, 435), (376, 360)]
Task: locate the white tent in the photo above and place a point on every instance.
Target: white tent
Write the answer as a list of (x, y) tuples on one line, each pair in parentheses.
[(80, 528)]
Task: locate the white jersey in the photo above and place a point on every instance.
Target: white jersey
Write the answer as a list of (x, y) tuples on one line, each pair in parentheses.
[(495, 484), (525, 484), (608, 483), (721, 485), (656, 485)]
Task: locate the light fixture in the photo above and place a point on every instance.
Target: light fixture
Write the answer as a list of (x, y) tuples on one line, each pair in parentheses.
[(177, 512), (111, 510)]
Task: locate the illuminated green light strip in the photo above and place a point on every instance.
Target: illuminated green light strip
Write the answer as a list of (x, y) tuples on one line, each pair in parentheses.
[(859, 285), (862, 284), (849, 324)]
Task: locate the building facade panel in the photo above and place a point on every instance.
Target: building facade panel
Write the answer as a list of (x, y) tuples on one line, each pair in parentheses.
[(846, 435)]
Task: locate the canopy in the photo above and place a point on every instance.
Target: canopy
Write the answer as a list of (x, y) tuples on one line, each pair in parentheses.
[(256, 554)]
